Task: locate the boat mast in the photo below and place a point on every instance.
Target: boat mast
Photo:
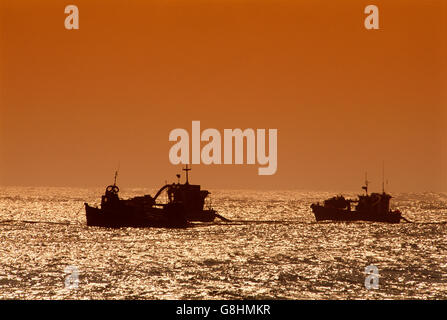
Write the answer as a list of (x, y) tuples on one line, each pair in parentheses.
[(116, 174), (186, 169), (365, 187)]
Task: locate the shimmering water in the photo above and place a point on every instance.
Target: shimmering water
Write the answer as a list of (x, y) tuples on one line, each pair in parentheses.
[(273, 250)]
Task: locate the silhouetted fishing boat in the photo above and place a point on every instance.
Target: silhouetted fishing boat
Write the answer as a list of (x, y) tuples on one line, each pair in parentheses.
[(185, 203), (369, 207)]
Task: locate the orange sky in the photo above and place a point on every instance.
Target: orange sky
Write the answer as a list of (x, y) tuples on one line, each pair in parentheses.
[(73, 104)]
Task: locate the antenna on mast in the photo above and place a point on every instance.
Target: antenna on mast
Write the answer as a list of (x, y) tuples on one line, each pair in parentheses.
[(186, 169)]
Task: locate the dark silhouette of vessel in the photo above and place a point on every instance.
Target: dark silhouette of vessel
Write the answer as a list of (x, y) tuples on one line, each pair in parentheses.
[(185, 204), (369, 207)]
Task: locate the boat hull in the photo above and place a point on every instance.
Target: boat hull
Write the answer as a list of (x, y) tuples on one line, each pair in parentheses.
[(128, 216), (201, 216), (333, 214)]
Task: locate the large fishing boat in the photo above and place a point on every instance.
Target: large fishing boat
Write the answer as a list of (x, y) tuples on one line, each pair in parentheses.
[(369, 207), (185, 203)]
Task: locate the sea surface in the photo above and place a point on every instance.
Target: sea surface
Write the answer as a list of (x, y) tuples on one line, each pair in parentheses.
[(273, 249)]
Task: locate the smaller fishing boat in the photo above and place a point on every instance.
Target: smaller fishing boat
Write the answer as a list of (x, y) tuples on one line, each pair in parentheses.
[(369, 207)]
